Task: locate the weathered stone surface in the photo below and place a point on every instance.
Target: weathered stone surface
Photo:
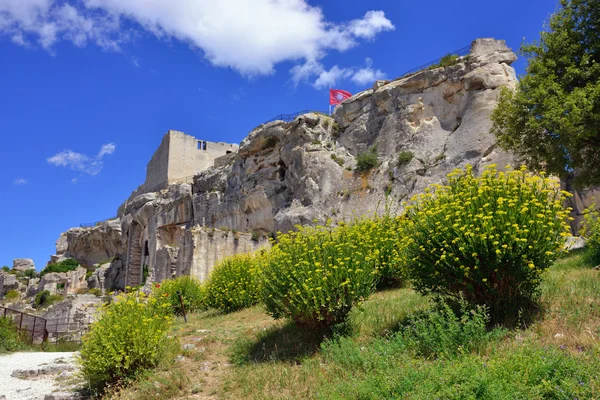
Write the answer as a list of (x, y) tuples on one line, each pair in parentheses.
[(23, 264), (71, 282), (78, 311), (90, 245), (8, 282), (303, 171)]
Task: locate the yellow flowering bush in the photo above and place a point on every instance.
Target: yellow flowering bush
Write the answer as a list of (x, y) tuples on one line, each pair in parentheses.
[(191, 290), (233, 283), (382, 237), (591, 228), (489, 237), (130, 337), (315, 276)]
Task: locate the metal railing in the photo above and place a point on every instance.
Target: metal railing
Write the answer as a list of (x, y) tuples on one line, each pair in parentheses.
[(29, 326), (460, 52), (92, 224), (291, 117), (37, 330)]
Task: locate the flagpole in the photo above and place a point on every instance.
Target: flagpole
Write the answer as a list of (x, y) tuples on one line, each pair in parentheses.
[(330, 101)]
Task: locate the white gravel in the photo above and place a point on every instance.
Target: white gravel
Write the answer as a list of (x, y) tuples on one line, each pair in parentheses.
[(28, 389)]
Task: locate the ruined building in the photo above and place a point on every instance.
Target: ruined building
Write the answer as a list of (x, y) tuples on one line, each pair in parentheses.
[(202, 201)]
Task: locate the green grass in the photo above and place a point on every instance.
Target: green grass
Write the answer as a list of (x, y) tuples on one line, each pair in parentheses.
[(251, 356)]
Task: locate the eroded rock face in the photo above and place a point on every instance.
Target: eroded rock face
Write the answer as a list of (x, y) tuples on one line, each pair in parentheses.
[(420, 126), (90, 245), (294, 173)]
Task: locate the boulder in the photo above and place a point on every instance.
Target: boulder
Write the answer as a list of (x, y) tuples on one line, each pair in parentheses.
[(23, 264)]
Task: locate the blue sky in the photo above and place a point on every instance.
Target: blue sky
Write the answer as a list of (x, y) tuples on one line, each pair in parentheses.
[(89, 87)]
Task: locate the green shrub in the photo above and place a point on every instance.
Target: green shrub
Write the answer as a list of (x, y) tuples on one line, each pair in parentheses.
[(45, 299), (367, 161), (13, 295), (10, 339), (404, 157), (233, 283), (338, 160), (447, 61), (489, 238), (591, 228), (270, 142), (5, 268), (95, 291), (30, 273), (130, 337), (67, 265), (316, 275), (191, 291), (442, 332)]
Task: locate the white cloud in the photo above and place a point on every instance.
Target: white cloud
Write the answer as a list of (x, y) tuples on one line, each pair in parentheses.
[(326, 78), (81, 162), (331, 77), (250, 36), (48, 21), (367, 75), (370, 25), (108, 148), (20, 181)]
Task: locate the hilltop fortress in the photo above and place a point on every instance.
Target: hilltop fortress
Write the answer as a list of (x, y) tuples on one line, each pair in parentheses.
[(202, 201)]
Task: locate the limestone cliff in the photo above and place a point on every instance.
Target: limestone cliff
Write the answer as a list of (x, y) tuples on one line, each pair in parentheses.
[(420, 127)]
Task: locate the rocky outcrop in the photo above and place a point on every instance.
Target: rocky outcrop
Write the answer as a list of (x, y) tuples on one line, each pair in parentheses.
[(419, 127), (23, 264), (295, 173), (70, 282), (90, 245)]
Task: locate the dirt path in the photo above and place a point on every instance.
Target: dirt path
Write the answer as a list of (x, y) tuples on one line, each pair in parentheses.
[(33, 375)]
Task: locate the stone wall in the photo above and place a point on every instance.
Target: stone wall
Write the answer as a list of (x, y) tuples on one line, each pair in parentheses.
[(188, 155), (157, 170)]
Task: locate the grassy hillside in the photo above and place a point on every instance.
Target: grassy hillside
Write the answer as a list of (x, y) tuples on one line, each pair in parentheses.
[(249, 355)]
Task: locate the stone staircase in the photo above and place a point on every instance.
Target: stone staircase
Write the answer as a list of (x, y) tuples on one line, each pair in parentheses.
[(134, 270)]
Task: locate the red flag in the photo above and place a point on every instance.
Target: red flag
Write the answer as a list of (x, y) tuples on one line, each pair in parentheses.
[(337, 96)]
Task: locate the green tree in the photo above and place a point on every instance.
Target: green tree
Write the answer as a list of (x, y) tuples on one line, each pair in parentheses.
[(552, 120)]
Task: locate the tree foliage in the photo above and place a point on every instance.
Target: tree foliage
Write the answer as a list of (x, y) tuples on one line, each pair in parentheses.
[(552, 120)]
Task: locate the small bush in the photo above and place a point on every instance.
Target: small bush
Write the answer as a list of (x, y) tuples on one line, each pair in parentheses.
[(67, 265), (404, 157), (191, 291), (12, 295), (447, 61), (130, 337), (10, 339), (233, 283), (45, 299), (5, 268), (591, 229), (367, 161), (270, 142), (338, 160), (441, 332), (316, 275), (96, 292), (489, 238), (336, 130), (30, 273)]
